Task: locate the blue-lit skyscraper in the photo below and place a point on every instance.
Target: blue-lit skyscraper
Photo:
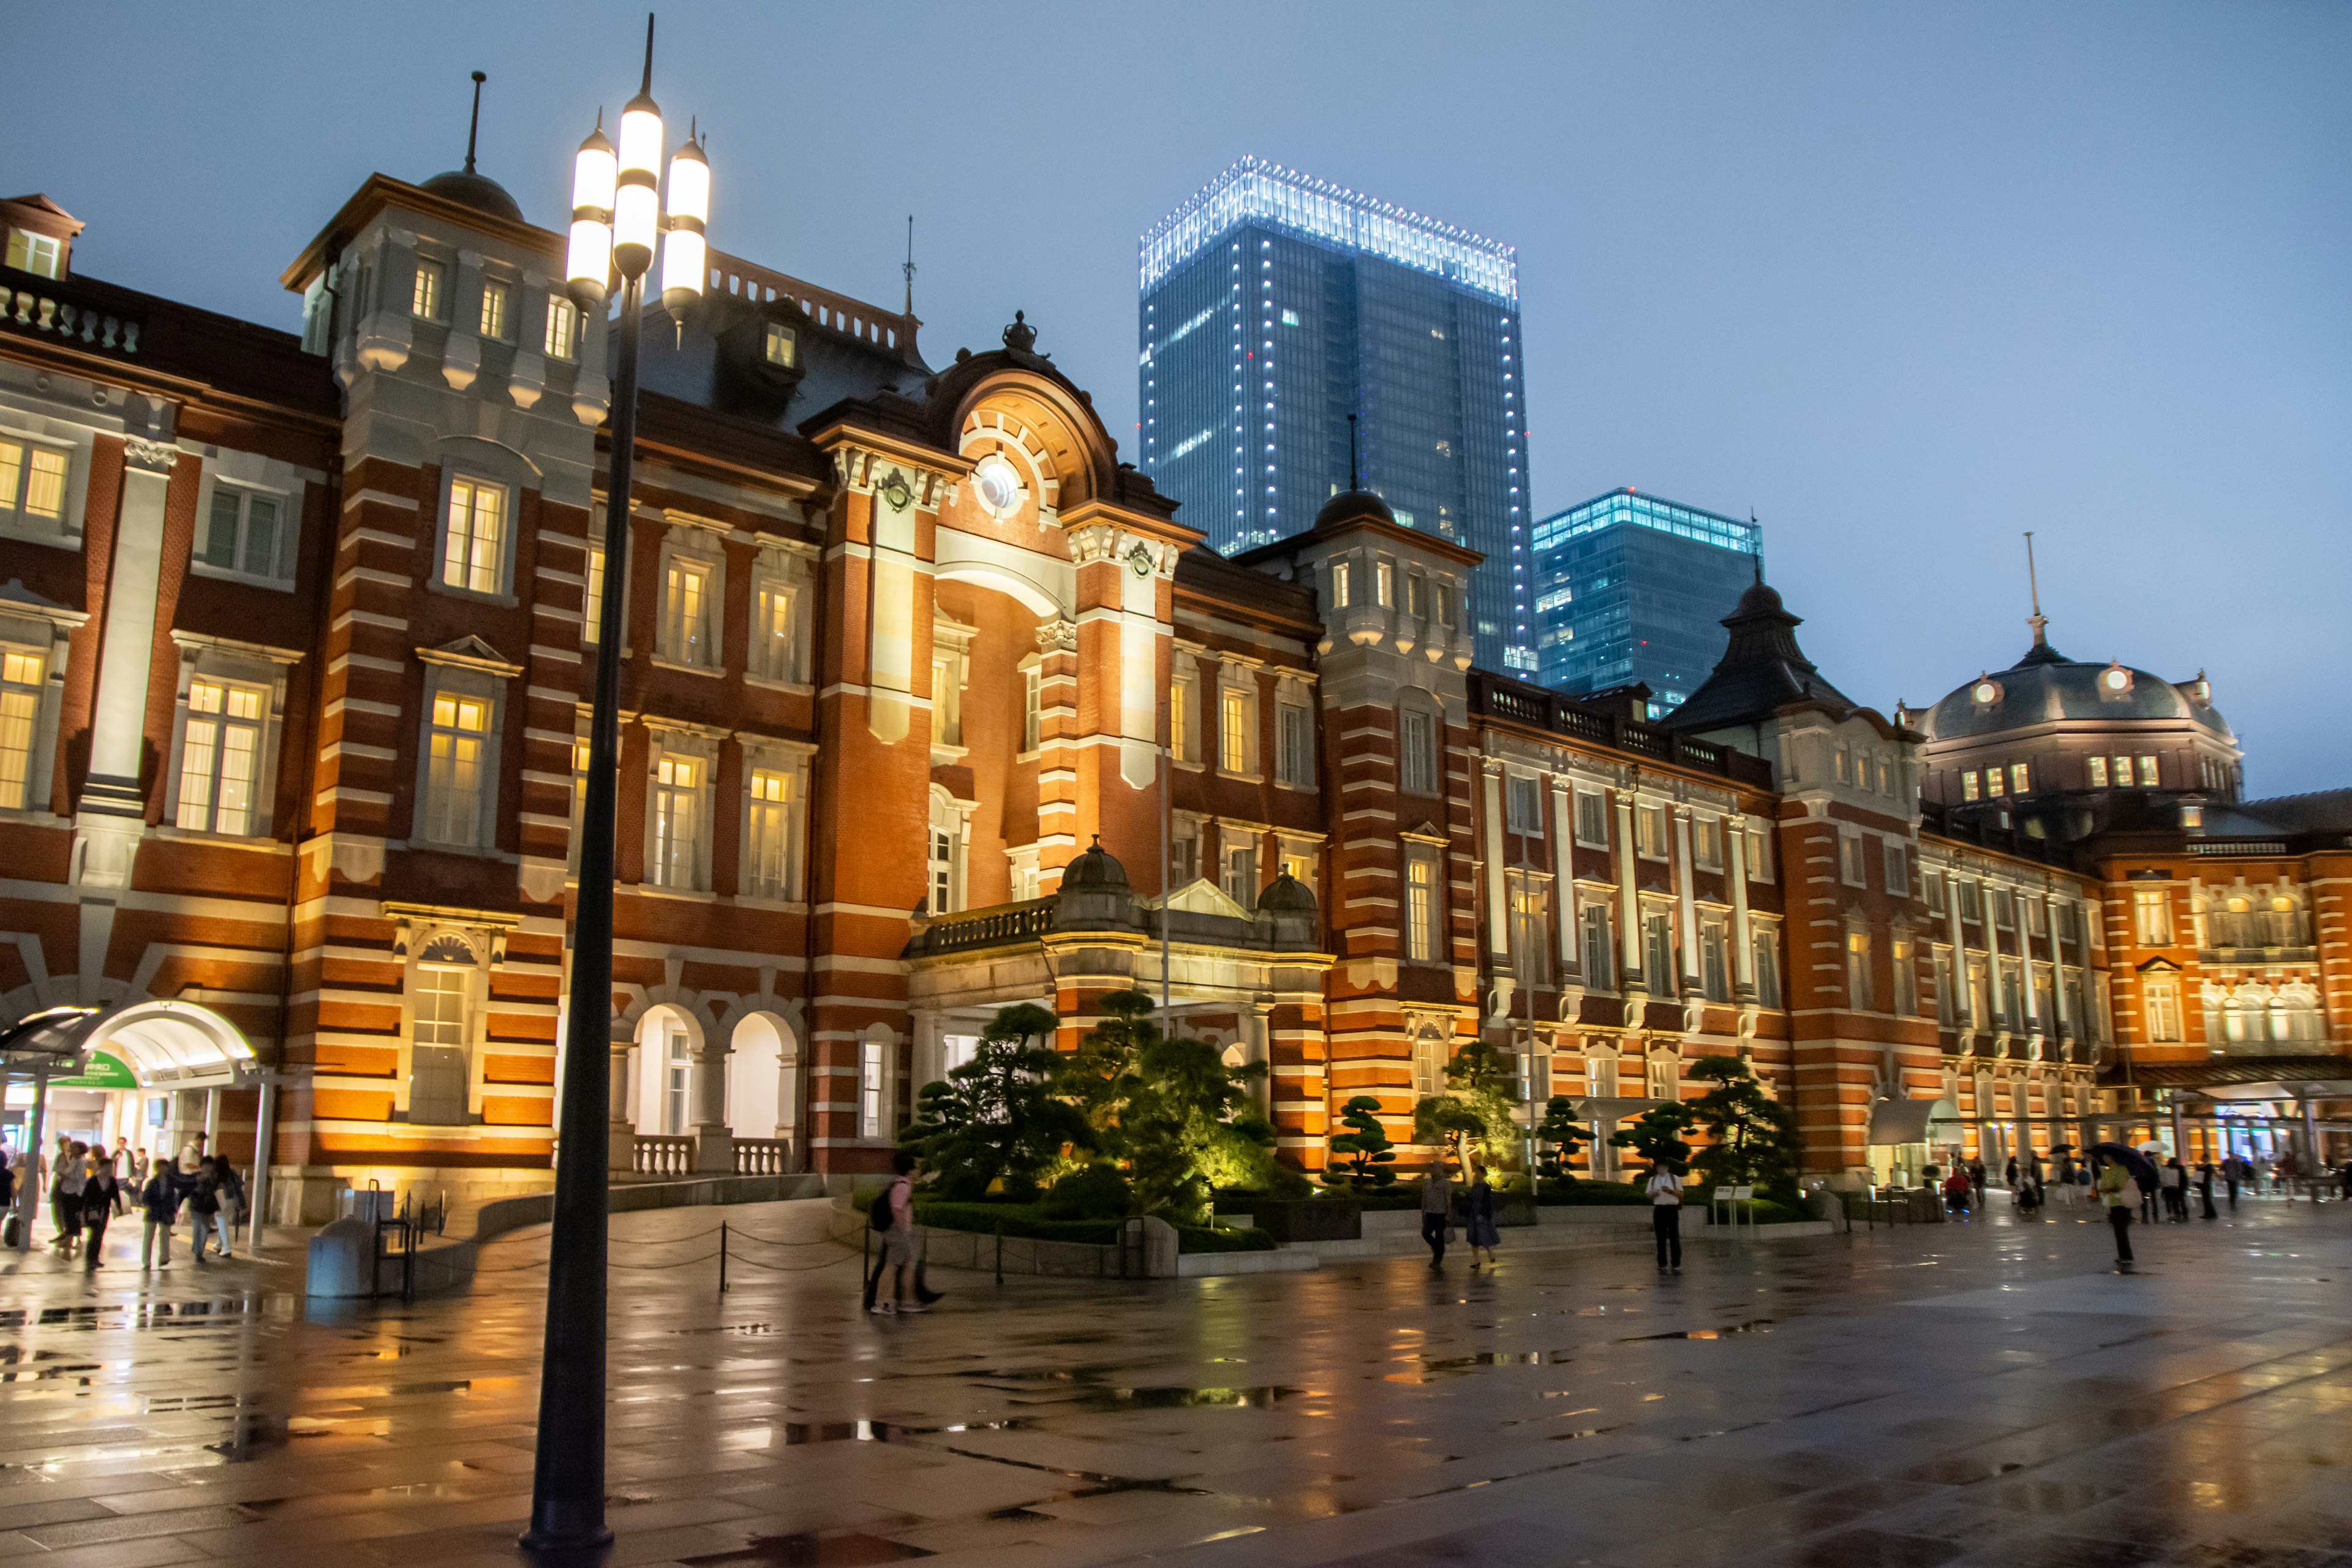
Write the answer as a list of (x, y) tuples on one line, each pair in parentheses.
[(1631, 588), (1274, 306)]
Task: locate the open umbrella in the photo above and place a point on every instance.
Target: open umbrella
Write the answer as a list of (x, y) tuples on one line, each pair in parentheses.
[(2142, 1169)]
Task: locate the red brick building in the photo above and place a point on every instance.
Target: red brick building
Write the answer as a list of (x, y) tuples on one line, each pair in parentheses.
[(930, 705)]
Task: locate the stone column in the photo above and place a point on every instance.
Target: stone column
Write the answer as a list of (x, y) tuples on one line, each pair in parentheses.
[(714, 1140), (621, 1137), (1743, 942), (1563, 858), (1497, 892), (1963, 1003), (2021, 905), (1631, 980), (1687, 901)]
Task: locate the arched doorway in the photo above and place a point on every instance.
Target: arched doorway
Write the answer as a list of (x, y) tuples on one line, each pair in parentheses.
[(760, 1101), (661, 1078)]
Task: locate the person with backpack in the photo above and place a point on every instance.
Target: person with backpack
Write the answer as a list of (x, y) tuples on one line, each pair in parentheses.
[(203, 1204), (893, 1216), (232, 1198), (159, 1209), (99, 1194)]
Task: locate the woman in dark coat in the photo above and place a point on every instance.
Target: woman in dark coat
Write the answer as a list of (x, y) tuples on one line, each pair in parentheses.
[(98, 1193), (1480, 1230)]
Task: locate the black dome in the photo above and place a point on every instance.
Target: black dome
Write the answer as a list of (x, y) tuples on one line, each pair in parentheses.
[(1287, 895), (477, 190), (1348, 505), (1093, 869)]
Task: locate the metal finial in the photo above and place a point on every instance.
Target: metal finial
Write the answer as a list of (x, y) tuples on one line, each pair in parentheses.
[(475, 128), (909, 267), (648, 87), (2037, 620), (1353, 483)]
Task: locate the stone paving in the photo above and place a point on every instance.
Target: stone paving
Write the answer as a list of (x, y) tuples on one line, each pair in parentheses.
[(1962, 1394)]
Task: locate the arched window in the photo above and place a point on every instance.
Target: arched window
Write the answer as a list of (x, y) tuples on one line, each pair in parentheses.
[(441, 999), (945, 882)]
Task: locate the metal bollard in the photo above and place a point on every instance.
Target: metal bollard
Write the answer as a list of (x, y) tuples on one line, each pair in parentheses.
[(722, 1258)]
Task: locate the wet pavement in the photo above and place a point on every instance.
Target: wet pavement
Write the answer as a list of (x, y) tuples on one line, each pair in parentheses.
[(1959, 1394)]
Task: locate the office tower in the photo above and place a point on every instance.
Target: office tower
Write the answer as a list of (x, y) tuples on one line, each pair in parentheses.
[(1632, 588), (1274, 306)]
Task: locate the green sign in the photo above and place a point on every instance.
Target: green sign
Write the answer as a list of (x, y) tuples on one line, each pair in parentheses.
[(106, 1071)]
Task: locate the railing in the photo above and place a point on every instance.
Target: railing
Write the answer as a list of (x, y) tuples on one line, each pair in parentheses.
[(49, 307), (985, 927), (2236, 846), (836, 312), (1500, 697), (664, 1156), (762, 1156)]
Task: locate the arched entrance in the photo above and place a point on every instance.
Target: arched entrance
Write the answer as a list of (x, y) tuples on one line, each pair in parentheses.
[(661, 1079), (759, 1100)]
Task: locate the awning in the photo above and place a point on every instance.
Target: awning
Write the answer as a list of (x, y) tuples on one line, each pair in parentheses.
[(1906, 1121), (1610, 1110), (158, 1045), (106, 1071)]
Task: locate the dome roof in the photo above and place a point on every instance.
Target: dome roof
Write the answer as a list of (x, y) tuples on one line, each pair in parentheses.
[(1348, 505), (477, 190), (1762, 670), (1287, 895), (1092, 871), (2046, 687)]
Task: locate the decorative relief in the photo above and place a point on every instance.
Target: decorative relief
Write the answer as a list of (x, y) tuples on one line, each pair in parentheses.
[(1057, 635), (150, 457)]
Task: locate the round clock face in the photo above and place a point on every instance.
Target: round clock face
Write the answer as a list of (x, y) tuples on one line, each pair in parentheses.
[(999, 486), (2116, 679), (1986, 691)]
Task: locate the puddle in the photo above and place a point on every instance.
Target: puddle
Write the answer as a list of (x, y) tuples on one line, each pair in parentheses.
[(1753, 1326), (810, 1550)]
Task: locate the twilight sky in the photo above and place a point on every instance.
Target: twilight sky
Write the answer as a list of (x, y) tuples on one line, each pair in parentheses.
[(1904, 279)]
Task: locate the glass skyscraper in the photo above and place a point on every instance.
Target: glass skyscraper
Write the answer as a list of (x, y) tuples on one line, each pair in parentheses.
[(1274, 306), (1632, 588)]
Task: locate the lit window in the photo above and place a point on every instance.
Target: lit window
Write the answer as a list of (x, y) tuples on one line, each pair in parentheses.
[(1760, 854), (593, 607), (677, 1078), (1417, 746), (1530, 946), (454, 770), (243, 533), (2163, 1001), (496, 301), (1339, 584), (771, 869), (2148, 772), (473, 549), (2098, 773), (440, 999), (1421, 905), (1233, 731), (1995, 782), (1241, 873), (781, 346), (1706, 843), (2019, 779), (20, 707), (676, 860), (1033, 709), (220, 758), (1384, 584), (425, 296), (685, 613), (1906, 980), (1968, 786), (32, 480), (1650, 832), (37, 254), (946, 846), (1857, 971), (1289, 317), (870, 1066), (1183, 716), (2152, 916), (562, 328), (773, 649), (1444, 604)]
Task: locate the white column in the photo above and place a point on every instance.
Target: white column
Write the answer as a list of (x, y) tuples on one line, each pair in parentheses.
[(1563, 859), (1629, 924), (258, 1190), (2020, 904), (1964, 1003), (1497, 919), (1686, 898), (212, 1122), (620, 1137), (1743, 943), (2062, 1025)]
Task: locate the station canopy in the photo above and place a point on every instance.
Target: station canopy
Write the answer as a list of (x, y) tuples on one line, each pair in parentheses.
[(156, 1045)]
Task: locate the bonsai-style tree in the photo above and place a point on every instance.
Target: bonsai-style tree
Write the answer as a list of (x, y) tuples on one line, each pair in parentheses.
[(1752, 1136), (1558, 1136), (1364, 1152), (997, 1117), (1656, 1135), (1481, 1092)]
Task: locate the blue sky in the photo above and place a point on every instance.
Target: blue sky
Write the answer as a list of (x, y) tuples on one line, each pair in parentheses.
[(1906, 279)]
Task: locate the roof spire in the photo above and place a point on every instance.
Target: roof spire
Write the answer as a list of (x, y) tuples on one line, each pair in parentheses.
[(910, 269), (2037, 620), (1759, 552), (474, 128), (1352, 483), (648, 86)]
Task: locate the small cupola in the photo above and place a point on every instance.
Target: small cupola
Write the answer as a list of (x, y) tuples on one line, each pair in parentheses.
[(40, 235)]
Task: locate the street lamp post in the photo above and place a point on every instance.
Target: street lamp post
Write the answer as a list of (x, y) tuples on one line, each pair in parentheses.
[(616, 222)]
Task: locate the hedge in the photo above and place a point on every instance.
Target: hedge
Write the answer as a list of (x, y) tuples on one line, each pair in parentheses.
[(1198, 1238), (1589, 1192), (1028, 1221)]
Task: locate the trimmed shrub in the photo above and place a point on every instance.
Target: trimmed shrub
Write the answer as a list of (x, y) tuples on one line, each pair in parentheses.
[(1202, 1239), (1585, 1193)]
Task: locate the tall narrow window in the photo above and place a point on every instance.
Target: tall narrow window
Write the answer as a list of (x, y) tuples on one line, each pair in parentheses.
[(775, 653), (1523, 804), (676, 860), (1906, 980), (592, 610), (1033, 709), (1968, 790), (1857, 972), (1184, 852), (579, 803), (498, 308), (1384, 584), (440, 998), (1851, 863), (1417, 745), (32, 481), (1650, 832), (220, 757), (1339, 584), (1946, 1008), (2152, 916), (1995, 782), (2098, 773), (562, 329), (2020, 779), (453, 776), (1658, 952), (1233, 731), (473, 548), (2148, 772), (242, 534), (1420, 906), (1715, 967), (1599, 947), (1183, 716), (425, 296), (1591, 820), (677, 1078), (780, 346), (1706, 843), (946, 846), (1897, 869), (2162, 998), (20, 711), (870, 1066), (770, 869), (1767, 970), (1530, 932), (1241, 873), (1429, 1057), (1294, 761), (685, 613)]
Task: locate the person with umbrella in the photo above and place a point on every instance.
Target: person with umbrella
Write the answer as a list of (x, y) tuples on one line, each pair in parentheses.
[(2124, 1174)]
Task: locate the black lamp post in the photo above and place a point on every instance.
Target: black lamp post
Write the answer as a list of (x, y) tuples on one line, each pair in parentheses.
[(616, 221)]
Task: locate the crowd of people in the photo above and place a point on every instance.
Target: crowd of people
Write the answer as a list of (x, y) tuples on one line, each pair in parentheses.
[(89, 1186)]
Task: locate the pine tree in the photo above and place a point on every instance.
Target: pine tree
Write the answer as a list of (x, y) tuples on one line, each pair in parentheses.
[(997, 1116), (1753, 1137), (1364, 1149)]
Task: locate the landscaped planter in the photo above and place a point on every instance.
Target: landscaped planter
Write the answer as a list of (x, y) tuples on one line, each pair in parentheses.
[(1510, 1209), (1309, 1219)]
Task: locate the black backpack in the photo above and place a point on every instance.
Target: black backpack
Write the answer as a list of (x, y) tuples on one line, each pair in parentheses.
[(879, 1217)]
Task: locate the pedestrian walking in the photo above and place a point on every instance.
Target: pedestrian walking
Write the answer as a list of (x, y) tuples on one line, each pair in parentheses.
[(232, 1200), (2205, 1187), (192, 1154), (158, 1210), (2121, 1194), (898, 1243), (1975, 1174), (1436, 1209), (2175, 1191), (1665, 1190), (203, 1204), (69, 1172), (1480, 1229), (2012, 1173), (2230, 1179), (99, 1194)]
